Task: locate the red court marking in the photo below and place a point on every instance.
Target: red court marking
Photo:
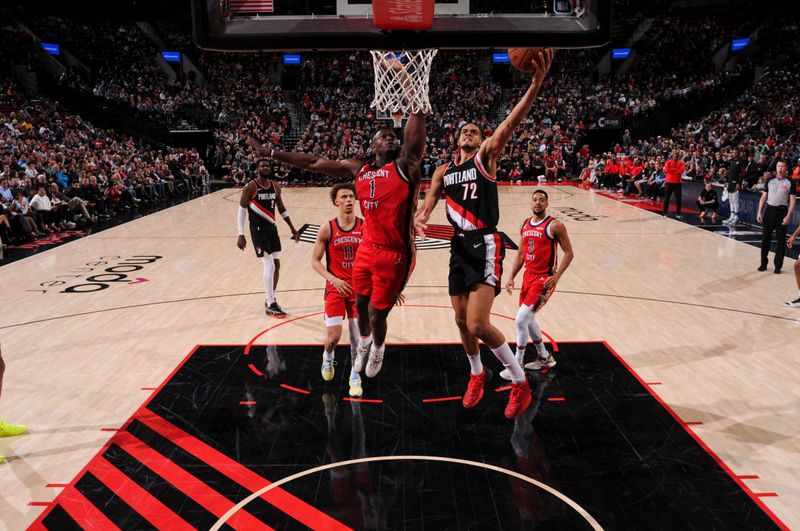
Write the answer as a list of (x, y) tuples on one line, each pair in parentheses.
[(148, 388), (652, 383), (57, 485), (748, 477), (295, 389), (255, 370), (250, 343), (185, 482), (111, 429), (38, 523), (556, 399), (700, 441), (247, 403), (39, 504), (445, 399), (365, 400), (83, 511), (141, 501), (294, 507), (501, 389), (766, 494), (693, 423)]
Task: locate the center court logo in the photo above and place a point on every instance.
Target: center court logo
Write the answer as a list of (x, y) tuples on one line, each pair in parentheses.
[(105, 272), (437, 237)]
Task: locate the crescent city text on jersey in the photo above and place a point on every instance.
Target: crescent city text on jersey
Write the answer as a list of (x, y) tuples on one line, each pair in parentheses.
[(346, 239), (458, 177), (374, 174)]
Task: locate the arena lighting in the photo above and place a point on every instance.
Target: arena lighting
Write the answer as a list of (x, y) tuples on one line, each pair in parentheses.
[(620, 53), (738, 44), (171, 57), (51, 48), (291, 58), (500, 58)]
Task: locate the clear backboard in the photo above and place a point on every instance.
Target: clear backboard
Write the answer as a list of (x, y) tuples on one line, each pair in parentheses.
[(298, 25)]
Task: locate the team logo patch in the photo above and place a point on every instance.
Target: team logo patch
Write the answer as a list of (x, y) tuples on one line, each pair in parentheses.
[(438, 237)]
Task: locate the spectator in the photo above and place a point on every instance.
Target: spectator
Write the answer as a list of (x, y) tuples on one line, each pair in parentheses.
[(708, 201), (673, 171)]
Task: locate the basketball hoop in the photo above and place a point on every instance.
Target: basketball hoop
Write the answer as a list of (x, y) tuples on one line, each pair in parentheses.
[(401, 81)]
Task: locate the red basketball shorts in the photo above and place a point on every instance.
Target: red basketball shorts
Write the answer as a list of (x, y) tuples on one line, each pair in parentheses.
[(533, 291), (381, 274), (338, 306)]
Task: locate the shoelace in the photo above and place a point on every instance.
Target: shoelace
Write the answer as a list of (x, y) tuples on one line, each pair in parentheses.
[(377, 359)]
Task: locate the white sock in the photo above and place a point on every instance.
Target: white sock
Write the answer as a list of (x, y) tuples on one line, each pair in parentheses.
[(541, 350), (520, 355), (363, 341), (521, 323), (378, 349), (475, 365), (506, 357), (269, 276), (329, 355)]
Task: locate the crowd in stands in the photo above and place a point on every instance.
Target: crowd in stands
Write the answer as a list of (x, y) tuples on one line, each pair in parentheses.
[(328, 115), (57, 171), (748, 136)]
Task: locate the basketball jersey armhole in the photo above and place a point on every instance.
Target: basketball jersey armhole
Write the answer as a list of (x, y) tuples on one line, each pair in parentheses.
[(479, 165), (400, 172), (548, 230)]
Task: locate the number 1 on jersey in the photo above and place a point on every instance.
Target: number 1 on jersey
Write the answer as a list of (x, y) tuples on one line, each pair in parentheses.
[(372, 188)]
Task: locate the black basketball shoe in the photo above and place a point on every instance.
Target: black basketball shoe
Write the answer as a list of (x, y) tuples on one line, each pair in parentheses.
[(273, 310)]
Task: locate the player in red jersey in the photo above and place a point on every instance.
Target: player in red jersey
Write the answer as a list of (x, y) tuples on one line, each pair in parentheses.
[(538, 253), (338, 241), (386, 190), (476, 250)]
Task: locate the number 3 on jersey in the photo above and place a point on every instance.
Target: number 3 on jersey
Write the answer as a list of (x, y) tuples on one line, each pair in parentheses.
[(467, 188)]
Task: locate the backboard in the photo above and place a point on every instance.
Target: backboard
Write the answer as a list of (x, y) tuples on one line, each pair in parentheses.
[(297, 25)]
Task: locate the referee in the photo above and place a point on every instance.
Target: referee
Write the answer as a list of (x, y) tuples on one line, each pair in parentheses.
[(779, 198)]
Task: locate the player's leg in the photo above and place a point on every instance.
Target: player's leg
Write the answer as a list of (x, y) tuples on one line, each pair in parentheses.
[(477, 373), (8, 430), (362, 286), (277, 273), (378, 325), (333, 333), (780, 247), (478, 311), (355, 377), (268, 277)]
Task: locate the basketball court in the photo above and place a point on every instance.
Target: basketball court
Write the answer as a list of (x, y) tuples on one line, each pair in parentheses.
[(169, 397)]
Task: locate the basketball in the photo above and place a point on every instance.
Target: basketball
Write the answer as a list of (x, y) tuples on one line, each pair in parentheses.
[(521, 58)]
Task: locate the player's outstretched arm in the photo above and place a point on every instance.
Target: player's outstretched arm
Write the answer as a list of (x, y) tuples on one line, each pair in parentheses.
[(494, 145), (248, 192), (431, 199), (561, 236), (414, 139), (345, 169)]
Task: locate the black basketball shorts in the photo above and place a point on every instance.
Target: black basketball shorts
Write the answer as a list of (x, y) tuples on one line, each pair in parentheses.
[(265, 240), (475, 257)]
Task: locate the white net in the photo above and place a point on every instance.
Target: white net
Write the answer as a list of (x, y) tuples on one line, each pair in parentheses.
[(401, 80)]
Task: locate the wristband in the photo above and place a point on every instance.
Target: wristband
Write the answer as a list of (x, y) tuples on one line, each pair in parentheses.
[(285, 214)]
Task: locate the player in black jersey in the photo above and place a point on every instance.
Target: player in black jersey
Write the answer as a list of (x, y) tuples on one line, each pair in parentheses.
[(476, 250), (259, 199)]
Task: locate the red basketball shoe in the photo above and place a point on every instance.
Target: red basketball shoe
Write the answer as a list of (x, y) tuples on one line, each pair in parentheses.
[(474, 391), (519, 400)]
